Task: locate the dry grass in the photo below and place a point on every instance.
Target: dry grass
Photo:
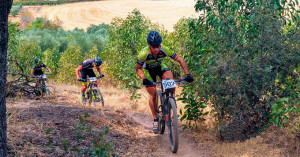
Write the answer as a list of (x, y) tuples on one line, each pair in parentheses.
[(83, 14), (26, 130)]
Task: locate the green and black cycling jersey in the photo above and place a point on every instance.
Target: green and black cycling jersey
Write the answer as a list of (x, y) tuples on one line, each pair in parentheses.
[(154, 66), (147, 60)]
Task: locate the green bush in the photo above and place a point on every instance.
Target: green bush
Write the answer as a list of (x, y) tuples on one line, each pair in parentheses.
[(51, 59), (245, 61), (26, 53), (15, 10), (41, 23), (68, 62), (127, 38)]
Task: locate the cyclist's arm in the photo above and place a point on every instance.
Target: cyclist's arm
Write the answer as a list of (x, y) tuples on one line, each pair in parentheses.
[(77, 71), (48, 69), (31, 73), (98, 69), (182, 64), (139, 71)]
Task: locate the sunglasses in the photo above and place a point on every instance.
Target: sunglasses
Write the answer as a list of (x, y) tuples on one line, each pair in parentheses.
[(155, 46)]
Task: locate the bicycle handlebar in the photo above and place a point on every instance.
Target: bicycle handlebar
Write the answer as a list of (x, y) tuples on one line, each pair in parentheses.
[(180, 81), (85, 80), (36, 76)]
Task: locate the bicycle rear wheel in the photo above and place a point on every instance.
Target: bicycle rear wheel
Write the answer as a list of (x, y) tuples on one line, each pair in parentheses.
[(173, 125), (97, 97), (159, 102)]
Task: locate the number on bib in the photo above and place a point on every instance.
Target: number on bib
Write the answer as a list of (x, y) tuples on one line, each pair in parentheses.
[(92, 79), (167, 84)]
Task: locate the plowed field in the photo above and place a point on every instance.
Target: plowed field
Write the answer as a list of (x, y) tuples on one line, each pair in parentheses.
[(83, 14)]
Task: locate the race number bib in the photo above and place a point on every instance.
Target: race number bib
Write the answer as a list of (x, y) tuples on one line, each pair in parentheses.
[(44, 76), (92, 79), (167, 84)]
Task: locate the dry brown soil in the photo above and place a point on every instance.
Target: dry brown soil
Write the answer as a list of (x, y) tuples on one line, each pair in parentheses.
[(130, 129)]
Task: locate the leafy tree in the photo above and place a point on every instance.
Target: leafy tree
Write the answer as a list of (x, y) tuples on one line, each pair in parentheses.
[(68, 62), (51, 59), (127, 38), (246, 60), (12, 41), (26, 53)]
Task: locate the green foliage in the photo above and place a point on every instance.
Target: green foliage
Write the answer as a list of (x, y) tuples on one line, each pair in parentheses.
[(51, 59), (179, 41), (49, 45), (41, 23), (40, 32), (245, 59), (194, 108), (281, 110), (89, 141), (26, 53), (12, 40), (15, 9), (127, 38), (68, 62)]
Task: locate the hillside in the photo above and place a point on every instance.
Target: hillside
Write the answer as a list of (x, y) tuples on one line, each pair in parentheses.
[(130, 130), (75, 15)]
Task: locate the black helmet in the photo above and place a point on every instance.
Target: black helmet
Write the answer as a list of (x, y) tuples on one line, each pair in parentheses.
[(98, 61), (37, 61), (154, 38)]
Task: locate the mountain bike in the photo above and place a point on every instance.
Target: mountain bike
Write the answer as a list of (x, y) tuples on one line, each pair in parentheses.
[(41, 87), (167, 111), (93, 93)]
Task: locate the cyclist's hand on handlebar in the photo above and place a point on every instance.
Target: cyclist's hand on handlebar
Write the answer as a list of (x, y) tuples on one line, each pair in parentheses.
[(189, 78), (147, 82), (80, 79), (101, 75)]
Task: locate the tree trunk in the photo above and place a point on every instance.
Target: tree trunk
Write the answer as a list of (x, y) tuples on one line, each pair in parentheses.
[(5, 6)]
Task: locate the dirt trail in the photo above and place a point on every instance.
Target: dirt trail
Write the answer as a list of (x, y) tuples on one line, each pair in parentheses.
[(185, 146), (118, 100)]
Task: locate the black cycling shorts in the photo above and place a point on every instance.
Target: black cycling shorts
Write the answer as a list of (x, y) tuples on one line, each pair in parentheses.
[(87, 72), (38, 72), (153, 72)]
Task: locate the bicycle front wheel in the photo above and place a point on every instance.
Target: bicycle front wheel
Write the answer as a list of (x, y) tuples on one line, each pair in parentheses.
[(173, 125), (159, 102), (97, 97)]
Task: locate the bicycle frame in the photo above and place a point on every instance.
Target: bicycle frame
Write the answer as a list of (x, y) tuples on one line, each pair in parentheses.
[(166, 95), (165, 105), (41, 84), (168, 111), (93, 93)]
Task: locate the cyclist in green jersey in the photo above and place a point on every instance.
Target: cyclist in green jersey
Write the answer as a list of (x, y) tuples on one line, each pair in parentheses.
[(149, 65)]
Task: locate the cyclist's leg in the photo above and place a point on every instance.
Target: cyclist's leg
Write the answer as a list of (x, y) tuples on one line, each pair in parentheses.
[(150, 75), (84, 84), (91, 73), (166, 74)]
